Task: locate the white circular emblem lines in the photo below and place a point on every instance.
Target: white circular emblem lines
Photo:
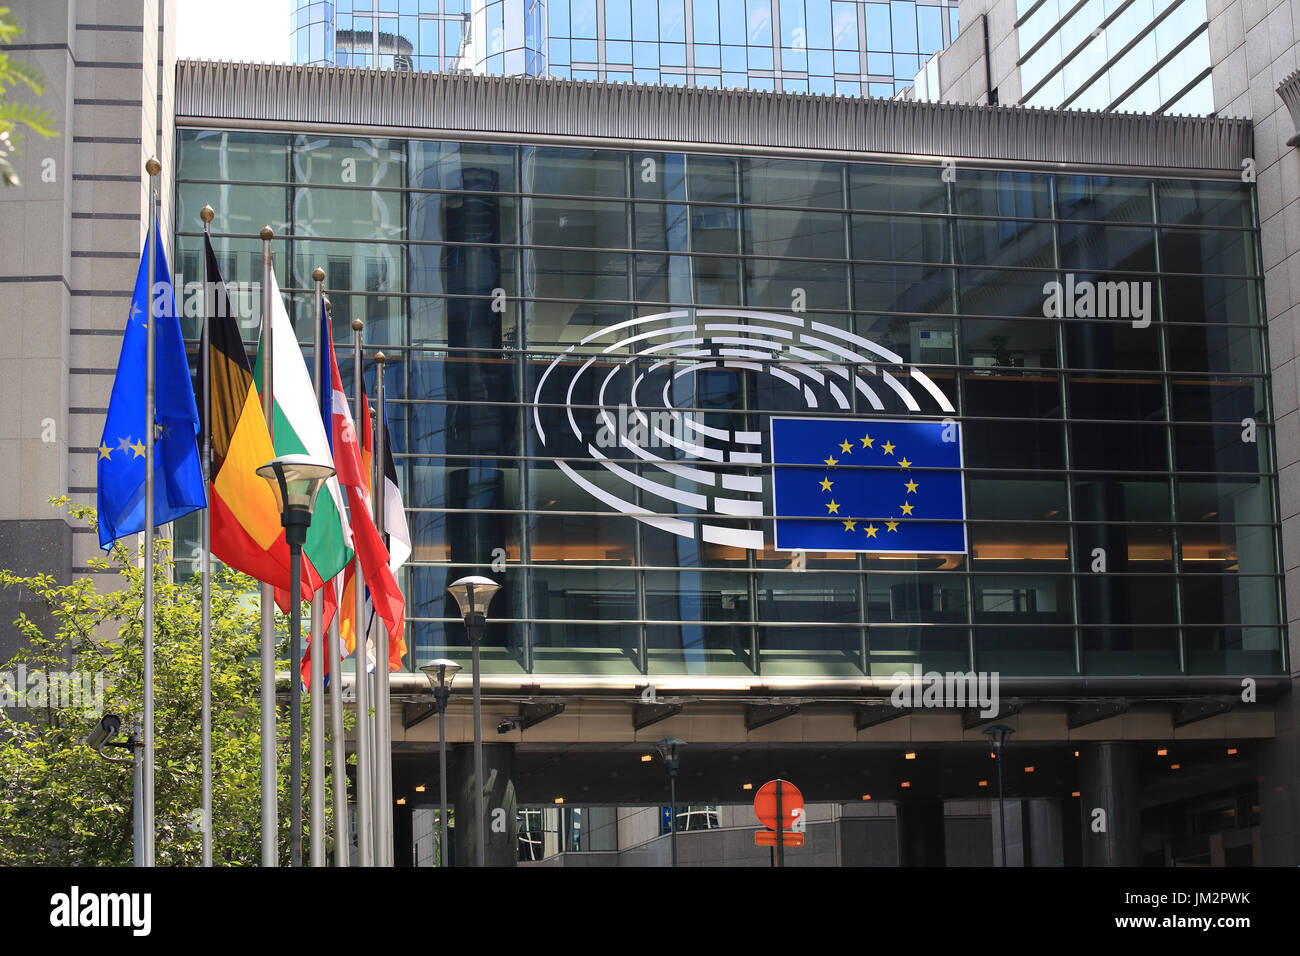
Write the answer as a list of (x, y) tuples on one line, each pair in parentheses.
[(702, 468)]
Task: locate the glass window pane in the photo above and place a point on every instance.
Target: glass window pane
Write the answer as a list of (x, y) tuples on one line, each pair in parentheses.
[(574, 172), (357, 163)]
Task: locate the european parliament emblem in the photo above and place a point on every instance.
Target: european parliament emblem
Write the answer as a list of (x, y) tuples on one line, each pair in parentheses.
[(851, 484), (618, 412)]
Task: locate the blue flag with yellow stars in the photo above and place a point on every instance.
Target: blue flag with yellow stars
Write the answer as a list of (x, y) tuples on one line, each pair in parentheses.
[(178, 475), (843, 484)]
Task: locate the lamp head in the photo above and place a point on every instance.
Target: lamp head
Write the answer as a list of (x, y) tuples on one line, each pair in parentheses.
[(441, 672), (473, 594), (296, 480), (997, 735), (669, 748)]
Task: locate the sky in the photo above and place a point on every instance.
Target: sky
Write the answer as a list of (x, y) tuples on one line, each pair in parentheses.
[(256, 30)]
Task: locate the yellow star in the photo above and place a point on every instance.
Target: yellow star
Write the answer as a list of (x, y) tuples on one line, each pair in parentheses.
[(867, 441), (911, 487), (833, 507), (124, 444), (104, 452), (849, 524), (907, 509), (891, 525), (832, 462), (887, 448), (871, 531), (826, 484), (138, 448), (846, 447), (904, 463)]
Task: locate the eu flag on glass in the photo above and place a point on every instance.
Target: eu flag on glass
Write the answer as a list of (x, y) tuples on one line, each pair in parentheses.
[(178, 475), (872, 485)]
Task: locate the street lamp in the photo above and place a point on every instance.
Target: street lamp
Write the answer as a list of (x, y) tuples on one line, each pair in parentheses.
[(101, 737), (473, 594), (670, 750), (997, 735), (441, 673), (295, 480)]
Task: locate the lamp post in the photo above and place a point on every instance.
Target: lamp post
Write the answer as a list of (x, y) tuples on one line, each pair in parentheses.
[(441, 673), (670, 750), (997, 735), (101, 737), (473, 595), (295, 480)]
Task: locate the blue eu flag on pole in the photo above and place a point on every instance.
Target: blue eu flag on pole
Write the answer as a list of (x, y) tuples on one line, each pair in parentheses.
[(869, 485), (178, 476)]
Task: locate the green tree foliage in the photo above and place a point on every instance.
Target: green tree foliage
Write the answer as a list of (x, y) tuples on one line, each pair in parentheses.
[(60, 804), (14, 116)]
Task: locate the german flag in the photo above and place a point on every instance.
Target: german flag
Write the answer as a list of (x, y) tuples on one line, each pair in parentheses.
[(246, 530)]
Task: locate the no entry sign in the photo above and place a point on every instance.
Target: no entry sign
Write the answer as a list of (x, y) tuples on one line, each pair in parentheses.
[(765, 804)]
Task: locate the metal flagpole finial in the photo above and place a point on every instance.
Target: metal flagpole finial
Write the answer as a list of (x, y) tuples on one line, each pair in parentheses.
[(267, 233), (152, 166), (207, 214), (357, 325), (318, 274), (329, 307), (381, 358)]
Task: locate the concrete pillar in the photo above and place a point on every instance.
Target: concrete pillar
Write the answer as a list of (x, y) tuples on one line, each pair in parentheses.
[(1017, 824), (502, 831), (1046, 832), (1279, 786), (1109, 805), (920, 833), (403, 835)]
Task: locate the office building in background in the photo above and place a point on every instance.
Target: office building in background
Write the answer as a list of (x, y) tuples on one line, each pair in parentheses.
[(793, 46), (1124, 56)]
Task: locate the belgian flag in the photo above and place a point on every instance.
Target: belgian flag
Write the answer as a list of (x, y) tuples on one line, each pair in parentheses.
[(246, 529)]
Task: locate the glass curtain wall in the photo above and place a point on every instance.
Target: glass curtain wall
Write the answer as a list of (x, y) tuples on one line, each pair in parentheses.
[(1118, 470)]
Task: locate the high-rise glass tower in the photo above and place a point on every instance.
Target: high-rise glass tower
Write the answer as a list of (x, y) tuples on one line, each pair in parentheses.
[(850, 47)]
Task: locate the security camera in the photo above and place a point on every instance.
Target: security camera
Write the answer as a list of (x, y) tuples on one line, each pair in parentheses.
[(507, 725), (104, 731)]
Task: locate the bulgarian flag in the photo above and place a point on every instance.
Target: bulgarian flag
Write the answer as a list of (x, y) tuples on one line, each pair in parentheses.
[(298, 430), (384, 597)]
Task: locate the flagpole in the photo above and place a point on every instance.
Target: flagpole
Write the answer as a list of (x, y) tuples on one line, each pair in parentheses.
[(153, 168), (270, 789), (205, 545), (365, 835), (318, 656), (338, 760), (383, 720)]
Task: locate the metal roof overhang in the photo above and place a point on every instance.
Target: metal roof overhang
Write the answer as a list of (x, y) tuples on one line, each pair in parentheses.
[(531, 110)]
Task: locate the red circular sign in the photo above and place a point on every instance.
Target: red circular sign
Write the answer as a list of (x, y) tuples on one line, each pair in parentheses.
[(765, 804)]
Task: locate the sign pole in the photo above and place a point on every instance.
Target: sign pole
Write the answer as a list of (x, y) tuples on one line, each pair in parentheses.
[(780, 827)]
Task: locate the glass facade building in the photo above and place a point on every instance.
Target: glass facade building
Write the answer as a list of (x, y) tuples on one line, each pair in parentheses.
[(800, 46), (1118, 470), (1131, 56)]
